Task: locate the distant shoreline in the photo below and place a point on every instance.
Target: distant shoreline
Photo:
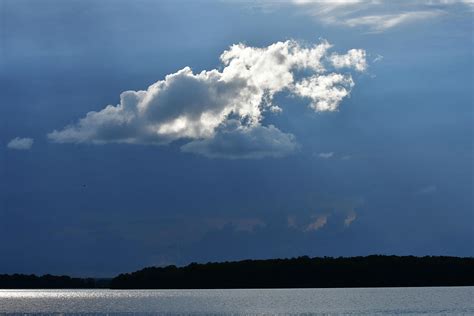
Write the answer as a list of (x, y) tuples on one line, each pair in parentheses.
[(302, 272)]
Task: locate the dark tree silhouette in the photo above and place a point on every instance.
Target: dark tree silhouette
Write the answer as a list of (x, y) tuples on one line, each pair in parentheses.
[(305, 272), (47, 281), (302, 272)]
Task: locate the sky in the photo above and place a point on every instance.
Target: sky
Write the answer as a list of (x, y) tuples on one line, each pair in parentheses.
[(148, 133)]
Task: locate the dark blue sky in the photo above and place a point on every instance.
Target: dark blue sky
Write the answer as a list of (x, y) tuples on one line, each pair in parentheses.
[(390, 171)]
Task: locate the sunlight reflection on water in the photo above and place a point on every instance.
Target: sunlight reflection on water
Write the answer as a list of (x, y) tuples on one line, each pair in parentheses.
[(381, 301)]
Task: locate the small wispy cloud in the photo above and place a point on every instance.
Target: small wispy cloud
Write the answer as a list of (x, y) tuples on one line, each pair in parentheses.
[(377, 59), (326, 155), (340, 213), (291, 221), (317, 223), (238, 224), (19, 143), (429, 189), (351, 217)]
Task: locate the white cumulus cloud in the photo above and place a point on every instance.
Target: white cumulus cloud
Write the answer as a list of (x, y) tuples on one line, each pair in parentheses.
[(20, 143), (219, 112)]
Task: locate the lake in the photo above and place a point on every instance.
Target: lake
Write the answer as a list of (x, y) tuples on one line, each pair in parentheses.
[(359, 301)]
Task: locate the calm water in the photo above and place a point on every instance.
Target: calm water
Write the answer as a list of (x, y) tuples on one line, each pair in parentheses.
[(381, 301)]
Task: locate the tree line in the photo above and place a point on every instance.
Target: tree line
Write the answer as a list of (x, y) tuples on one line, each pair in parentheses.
[(47, 281), (301, 272), (305, 272)]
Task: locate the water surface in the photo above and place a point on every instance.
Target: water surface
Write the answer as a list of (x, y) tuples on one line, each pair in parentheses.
[(361, 301)]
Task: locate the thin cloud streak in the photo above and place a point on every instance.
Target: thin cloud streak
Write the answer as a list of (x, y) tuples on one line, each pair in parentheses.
[(375, 16)]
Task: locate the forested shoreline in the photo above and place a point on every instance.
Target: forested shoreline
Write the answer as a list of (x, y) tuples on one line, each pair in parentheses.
[(301, 272)]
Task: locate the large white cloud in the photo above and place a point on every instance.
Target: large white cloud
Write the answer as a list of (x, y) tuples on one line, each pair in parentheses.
[(220, 112)]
